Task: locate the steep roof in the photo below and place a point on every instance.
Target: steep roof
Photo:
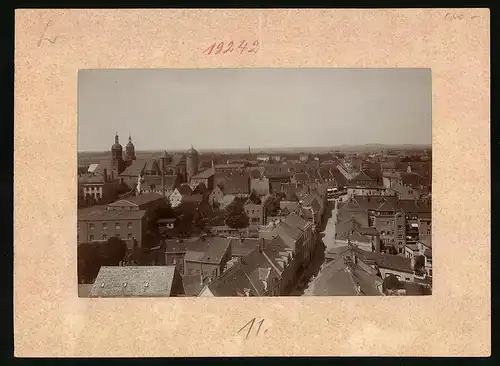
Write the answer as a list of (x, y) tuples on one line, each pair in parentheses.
[(254, 199), (184, 189), (233, 282), (135, 169), (204, 174), (145, 281), (237, 185), (177, 159), (200, 189)]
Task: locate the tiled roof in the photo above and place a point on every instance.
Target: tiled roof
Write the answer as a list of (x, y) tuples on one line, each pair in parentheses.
[(242, 247), (259, 269), (411, 206), (155, 182), (200, 189), (233, 282), (289, 234), (184, 189), (133, 281), (135, 168), (229, 166), (296, 221), (139, 200), (98, 213), (395, 262), (237, 185), (301, 177), (204, 174), (253, 198), (178, 159), (391, 175), (255, 173), (207, 250)]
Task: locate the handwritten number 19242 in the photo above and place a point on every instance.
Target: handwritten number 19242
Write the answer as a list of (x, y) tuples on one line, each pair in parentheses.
[(223, 48), (249, 327)]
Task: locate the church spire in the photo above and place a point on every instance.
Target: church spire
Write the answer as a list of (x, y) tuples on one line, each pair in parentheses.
[(116, 137), (129, 137)]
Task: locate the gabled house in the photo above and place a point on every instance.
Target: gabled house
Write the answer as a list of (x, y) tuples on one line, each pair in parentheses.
[(252, 275), (180, 195), (215, 196), (255, 210)]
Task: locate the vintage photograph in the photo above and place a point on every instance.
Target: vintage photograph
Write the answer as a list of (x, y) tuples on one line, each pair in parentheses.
[(254, 182)]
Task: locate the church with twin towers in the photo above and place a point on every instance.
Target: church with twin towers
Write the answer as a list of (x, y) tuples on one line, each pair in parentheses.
[(128, 168)]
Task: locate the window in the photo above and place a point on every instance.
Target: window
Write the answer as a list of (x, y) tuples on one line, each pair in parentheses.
[(129, 236), (117, 226), (91, 226), (129, 225), (104, 237), (407, 278), (105, 226), (91, 237), (174, 261), (118, 236)]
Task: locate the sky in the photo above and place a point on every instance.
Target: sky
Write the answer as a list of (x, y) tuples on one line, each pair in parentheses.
[(172, 109)]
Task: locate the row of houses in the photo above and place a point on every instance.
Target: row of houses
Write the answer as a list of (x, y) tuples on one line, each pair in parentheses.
[(219, 266)]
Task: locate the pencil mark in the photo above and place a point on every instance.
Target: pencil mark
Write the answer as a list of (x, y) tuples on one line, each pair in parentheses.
[(43, 38), (250, 324)]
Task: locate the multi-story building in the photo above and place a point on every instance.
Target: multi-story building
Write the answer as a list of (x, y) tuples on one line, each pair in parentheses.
[(255, 210), (100, 187), (206, 177), (126, 219)]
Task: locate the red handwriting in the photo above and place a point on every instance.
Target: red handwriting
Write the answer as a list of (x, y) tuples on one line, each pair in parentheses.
[(243, 46)]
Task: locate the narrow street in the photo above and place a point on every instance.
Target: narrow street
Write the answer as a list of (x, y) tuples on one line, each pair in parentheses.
[(330, 230), (325, 241)]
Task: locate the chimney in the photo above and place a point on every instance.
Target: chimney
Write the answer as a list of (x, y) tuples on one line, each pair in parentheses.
[(263, 243), (105, 174)]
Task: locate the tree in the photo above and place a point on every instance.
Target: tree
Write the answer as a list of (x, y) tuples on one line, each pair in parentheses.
[(112, 251), (89, 262), (391, 282), (272, 205), (419, 264), (236, 217)]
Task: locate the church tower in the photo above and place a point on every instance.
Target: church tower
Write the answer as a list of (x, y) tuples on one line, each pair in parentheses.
[(129, 150), (191, 163), (117, 163)]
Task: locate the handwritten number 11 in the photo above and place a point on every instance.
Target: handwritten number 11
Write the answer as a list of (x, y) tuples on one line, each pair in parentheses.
[(250, 326)]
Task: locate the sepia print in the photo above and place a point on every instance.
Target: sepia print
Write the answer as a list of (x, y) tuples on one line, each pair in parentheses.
[(254, 182)]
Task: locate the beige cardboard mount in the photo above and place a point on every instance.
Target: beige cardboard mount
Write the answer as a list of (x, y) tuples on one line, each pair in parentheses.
[(52, 45)]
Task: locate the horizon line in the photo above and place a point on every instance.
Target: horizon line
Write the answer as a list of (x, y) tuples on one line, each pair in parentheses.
[(381, 145)]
